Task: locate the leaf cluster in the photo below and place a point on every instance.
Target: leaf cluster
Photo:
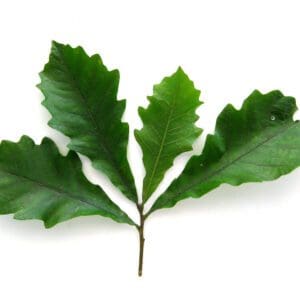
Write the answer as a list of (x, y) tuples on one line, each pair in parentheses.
[(259, 142)]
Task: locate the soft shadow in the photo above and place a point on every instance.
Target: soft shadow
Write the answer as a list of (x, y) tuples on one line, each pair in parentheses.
[(230, 198), (80, 226)]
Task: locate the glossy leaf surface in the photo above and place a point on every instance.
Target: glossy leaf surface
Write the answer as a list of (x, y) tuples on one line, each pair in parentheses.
[(37, 182), (168, 127), (259, 142), (81, 95)]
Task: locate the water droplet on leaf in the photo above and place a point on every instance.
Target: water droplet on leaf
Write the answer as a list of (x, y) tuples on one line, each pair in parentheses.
[(273, 118)]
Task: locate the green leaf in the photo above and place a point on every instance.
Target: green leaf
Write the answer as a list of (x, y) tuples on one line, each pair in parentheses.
[(37, 182), (259, 142), (169, 127), (81, 95)]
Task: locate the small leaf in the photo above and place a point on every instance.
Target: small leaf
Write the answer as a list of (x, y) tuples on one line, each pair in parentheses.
[(37, 182), (169, 127), (259, 142), (81, 95)]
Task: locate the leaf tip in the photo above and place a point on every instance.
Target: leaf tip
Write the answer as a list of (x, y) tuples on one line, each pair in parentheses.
[(55, 44), (180, 72)]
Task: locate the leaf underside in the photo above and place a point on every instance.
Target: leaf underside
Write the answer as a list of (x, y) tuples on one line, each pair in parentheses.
[(168, 127), (81, 95), (259, 142), (37, 182)]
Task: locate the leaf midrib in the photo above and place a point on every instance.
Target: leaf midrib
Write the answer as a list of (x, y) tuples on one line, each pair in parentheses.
[(218, 171), (96, 129), (53, 189), (162, 144)]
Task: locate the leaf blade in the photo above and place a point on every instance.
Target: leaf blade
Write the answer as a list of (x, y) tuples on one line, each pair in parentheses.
[(37, 182), (259, 142), (170, 114), (81, 95)]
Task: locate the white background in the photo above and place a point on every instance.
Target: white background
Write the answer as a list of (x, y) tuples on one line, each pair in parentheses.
[(236, 242)]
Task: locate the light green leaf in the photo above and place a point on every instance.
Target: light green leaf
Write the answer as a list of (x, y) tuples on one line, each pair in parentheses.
[(37, 182), (81, 95), (259, 142), (169, 127)]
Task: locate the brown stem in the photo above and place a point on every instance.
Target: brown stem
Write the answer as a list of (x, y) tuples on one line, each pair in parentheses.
[(141, 237)]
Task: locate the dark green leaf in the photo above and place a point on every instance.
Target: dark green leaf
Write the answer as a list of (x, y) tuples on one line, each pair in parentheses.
[(169, 127), (81, 95), (37, 182), (259, 142)]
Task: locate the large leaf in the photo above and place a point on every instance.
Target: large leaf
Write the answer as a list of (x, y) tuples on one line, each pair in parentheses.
[(37, 182), (169, 127), (259, 142), (81, 95)]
